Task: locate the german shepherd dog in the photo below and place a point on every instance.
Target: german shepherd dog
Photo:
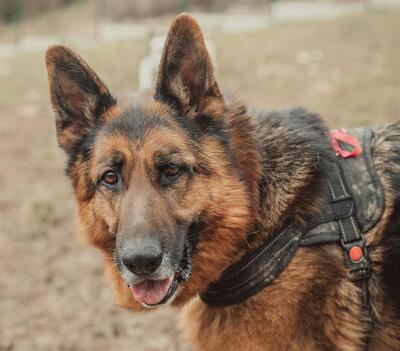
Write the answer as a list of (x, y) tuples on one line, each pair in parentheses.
[(176, 184)]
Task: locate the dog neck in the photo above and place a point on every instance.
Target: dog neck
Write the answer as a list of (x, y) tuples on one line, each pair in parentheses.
[(292, 170)]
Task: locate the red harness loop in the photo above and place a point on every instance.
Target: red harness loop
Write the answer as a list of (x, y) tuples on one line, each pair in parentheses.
[(341, 135)]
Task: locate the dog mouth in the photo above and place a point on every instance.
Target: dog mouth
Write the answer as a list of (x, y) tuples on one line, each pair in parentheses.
[(154, 292), (150, 292)]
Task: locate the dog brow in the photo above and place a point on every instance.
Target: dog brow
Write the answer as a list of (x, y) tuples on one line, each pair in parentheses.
[(113, 160), (174, 155)]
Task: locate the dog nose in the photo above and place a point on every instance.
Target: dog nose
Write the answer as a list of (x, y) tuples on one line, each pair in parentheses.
[(143, 262)]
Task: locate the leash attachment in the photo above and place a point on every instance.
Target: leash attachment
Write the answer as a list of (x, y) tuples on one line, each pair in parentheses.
[(341, 135)]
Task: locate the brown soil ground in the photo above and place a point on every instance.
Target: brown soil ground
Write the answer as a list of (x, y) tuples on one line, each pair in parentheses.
[(53, 295)]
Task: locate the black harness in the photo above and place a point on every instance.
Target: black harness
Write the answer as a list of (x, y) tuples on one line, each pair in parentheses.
[(353, 206)]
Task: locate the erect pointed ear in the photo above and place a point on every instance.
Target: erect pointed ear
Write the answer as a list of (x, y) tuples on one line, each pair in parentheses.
[(77, 94), (186, 78)]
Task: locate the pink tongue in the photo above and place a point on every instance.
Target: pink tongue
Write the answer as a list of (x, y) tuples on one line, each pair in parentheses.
[(151, 291)]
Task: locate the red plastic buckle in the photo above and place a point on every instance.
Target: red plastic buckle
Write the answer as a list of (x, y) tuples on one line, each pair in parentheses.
[(341, 135), (356, 253)]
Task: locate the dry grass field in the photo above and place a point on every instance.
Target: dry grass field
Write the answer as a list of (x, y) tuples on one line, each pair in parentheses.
[(53, 295)]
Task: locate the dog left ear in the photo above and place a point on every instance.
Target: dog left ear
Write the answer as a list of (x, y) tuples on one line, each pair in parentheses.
[(186, 77)]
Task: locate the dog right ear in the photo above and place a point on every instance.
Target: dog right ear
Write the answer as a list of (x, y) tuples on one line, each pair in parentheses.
[(77, 94)]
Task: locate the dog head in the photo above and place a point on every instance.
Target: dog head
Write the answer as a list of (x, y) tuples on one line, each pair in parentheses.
[(165, 179)]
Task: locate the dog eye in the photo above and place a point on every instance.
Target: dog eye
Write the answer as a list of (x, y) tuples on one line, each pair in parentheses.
[(172, 171), (110, 178)]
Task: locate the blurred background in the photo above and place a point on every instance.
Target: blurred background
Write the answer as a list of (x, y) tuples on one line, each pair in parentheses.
[(338, 58)]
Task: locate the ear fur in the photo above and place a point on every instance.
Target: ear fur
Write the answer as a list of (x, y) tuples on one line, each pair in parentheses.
[(77, 94), (186, 77)]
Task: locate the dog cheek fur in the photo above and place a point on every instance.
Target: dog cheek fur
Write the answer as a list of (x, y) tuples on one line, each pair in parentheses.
[(228, 212), (226, 225)]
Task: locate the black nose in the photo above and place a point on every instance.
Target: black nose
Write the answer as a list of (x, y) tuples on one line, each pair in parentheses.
[(143, 261)]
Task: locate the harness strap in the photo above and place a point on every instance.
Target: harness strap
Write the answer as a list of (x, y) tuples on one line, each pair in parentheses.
[(351, 238), (255, 271)]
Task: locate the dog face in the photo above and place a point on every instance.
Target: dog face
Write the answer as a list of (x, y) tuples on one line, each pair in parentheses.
[(160, 189)]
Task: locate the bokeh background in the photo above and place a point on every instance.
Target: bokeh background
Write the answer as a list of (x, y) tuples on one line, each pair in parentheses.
[(339, 58)]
